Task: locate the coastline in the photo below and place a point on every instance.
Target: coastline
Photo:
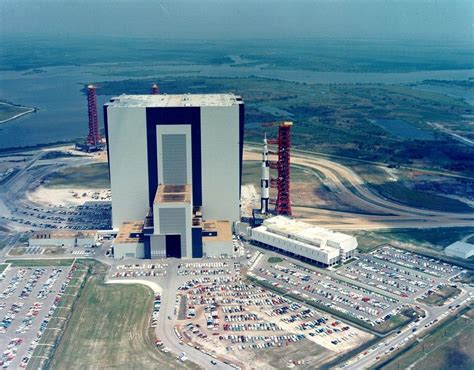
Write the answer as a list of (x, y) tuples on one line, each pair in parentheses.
[(28, 111)]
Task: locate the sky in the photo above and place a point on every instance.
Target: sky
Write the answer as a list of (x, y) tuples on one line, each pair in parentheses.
[(241, 19)]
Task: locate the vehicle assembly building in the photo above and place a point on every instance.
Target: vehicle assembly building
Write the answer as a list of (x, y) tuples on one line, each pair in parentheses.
[(303, 240), (175, 169)]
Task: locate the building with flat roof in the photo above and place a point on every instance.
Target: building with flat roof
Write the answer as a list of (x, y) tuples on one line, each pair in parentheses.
[(303, 240), (66, 238), (460, 249), (175, 162), (129, 241)]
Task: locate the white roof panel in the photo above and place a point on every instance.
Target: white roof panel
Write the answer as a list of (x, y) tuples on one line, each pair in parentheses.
[(308, 233), (461, 247), (182, 100)]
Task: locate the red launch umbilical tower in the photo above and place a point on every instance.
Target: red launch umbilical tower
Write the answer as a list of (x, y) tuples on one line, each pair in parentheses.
[(282, 183), (94, 136), (155, 89)]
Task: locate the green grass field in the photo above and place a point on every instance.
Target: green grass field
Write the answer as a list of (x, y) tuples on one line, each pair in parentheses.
[(275, 259), (109, 330), (448, 347), (40, 262), (397, 192), (436, 239), (380, 180), (93, 176), (3, 266)]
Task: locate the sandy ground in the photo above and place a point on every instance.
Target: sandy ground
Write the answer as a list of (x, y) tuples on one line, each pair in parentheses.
[(250, 198), (66, 197)]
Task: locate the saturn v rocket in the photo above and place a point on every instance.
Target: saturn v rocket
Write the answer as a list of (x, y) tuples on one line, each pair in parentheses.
[(265, 181)]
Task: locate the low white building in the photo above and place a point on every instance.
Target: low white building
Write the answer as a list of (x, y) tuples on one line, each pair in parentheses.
[(63, 238), (304, 240), (86, 238), (460, 249)]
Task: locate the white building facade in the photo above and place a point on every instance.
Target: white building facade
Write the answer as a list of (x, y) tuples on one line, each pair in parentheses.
[(63, 238), (157, 143), (304, 240)]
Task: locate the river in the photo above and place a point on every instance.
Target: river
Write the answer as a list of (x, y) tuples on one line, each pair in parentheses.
[(62, 108)]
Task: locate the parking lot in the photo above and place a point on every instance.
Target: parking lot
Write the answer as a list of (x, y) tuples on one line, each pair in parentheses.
[(329, 291), (225, 315), (416, 262), (387, 276), (208, 268), (373, 288), (139, 270), (90, 216), (237, 309), (28, 298), (76, 251)]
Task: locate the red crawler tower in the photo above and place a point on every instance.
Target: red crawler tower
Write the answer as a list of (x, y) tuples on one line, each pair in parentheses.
[(282, 183), (283, 203), (94, 136)]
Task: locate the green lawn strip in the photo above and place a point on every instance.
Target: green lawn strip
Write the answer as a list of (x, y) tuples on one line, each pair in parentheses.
[(63, 311), (71, 290), (275, 260), (40, 262), (55, 322), (35, 362), (52, 332)]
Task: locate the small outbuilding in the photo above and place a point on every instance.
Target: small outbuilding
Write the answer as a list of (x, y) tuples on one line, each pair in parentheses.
[(460, 250)]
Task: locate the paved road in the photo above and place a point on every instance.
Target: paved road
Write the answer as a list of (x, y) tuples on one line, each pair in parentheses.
[(13, 200), (395, 340), (165, 328), (380, 212)]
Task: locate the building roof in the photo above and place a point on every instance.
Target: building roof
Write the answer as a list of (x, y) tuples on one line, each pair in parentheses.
[(86, 234), (309, 234), (63, 234), (222, 230), (173, 194), (460, 247), (182, 100), (130, 232)]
